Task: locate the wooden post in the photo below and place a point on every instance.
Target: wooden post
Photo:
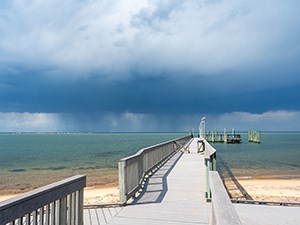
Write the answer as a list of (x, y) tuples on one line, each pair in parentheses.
[(208, 193), (52, 212), (214, 162), (80, 207), (63, 211), (122, 182)]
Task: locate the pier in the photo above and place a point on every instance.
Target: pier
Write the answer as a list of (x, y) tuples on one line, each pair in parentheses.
[(174, 182), (230, 138), (254, 136)]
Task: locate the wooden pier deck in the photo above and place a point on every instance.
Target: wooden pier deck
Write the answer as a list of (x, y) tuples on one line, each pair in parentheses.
[(175, 194)]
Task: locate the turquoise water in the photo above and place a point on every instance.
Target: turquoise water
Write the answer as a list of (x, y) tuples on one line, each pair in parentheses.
[(277, 155), (31, 160), (33, 152)]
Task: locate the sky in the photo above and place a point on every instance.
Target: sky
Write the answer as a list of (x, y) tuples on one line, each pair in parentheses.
[(149, 65)]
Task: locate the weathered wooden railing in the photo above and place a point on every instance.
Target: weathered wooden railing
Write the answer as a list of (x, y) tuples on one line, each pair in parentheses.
[(210, 157), (222, 212), (59, 203), (133, 169)]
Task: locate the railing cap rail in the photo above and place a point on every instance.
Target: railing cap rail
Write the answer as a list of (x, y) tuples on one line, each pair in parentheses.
[(209, 150), (153, 146), (224, 211)]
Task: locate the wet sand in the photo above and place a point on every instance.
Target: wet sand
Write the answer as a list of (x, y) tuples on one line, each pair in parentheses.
[(16, 183)]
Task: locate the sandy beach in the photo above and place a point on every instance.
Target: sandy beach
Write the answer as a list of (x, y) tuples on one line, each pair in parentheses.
[(100, 195), (102, 184), (261, 189), (268, 189), (92, 195)]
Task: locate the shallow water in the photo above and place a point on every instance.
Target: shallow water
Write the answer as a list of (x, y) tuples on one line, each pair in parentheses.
[(31, 160), (277, 155), (20, 152)]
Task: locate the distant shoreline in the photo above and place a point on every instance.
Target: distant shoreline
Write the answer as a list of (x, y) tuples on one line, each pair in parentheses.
[(75, 132), (142, 132)]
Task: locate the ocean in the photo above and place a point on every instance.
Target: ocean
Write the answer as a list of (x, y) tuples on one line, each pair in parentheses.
[(28, 161), (278, 155)]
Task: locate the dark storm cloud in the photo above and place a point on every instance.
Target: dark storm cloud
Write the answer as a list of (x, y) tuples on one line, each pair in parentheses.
[(32, 92), (119, 62)]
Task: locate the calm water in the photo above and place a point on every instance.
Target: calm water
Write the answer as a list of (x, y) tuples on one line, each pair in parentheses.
[(34, 158), (32, 152), (278, 154)]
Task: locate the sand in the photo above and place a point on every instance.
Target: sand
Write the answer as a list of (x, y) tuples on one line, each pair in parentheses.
[(269, 189), (100, 195), (92, 195), (261, 189)]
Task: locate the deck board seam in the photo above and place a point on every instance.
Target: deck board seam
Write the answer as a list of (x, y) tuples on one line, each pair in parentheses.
[(162, 220)]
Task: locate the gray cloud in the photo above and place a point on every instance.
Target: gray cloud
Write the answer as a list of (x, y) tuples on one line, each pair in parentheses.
[(206, 37), (153, 60)]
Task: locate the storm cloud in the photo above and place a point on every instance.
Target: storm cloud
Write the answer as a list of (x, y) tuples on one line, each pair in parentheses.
[(89, 65)]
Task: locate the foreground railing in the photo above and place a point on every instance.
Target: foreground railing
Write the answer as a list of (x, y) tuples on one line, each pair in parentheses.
[(210, 160), (60, 203), (133, 169), (223, 212)]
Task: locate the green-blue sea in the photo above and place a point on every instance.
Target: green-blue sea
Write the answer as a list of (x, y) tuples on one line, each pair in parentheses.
[(278, 155), (31, 160)]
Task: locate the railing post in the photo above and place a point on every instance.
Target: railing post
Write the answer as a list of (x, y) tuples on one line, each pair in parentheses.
[(207, 192), (63, 211), (214, 162), (80, 207), (122, 182)]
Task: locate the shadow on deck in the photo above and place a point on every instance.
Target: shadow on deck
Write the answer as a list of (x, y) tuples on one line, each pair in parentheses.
[(156, 186)]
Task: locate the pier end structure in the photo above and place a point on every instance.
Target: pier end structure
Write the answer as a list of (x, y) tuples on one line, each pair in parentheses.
[(254, 136)]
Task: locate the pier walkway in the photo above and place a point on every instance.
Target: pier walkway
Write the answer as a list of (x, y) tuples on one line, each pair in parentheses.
[(175, 194)]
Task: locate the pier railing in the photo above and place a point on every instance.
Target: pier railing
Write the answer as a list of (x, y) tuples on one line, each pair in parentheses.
[(133, 169), (59, 203), (222, 211), (210, 160)]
